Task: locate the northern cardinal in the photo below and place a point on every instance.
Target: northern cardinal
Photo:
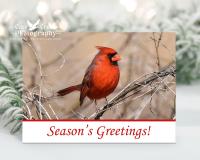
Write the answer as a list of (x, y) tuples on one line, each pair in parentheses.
[(101, 77)]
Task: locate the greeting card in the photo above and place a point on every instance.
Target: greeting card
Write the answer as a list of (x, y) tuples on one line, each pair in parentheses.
[(99, 87)]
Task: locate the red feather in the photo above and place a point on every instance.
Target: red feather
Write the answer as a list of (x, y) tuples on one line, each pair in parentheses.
[(101, 77)]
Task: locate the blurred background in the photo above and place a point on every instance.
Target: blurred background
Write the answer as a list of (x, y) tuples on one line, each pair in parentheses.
[(181, 16)]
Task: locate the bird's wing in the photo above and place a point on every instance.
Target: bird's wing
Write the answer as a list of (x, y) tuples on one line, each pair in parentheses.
[(86, 83), (84, 89), (83, 94)]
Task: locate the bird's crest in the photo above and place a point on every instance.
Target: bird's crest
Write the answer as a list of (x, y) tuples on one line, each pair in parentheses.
[(106, 49)]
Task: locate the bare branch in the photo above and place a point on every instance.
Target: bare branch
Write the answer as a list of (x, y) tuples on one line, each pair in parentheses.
[(37, 99), (136, 86)]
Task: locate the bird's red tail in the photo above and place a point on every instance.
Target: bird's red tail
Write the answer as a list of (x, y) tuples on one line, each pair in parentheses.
[(68, 90)]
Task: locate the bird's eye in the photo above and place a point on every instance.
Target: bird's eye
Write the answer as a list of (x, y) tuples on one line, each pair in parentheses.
[(111, 55)]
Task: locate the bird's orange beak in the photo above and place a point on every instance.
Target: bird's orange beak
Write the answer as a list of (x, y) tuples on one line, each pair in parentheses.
[(116, 58)]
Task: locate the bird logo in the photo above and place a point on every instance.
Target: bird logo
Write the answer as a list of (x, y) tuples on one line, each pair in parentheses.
[(101, 77), (33, 26)]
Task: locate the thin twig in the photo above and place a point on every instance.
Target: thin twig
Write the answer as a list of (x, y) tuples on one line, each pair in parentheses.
[(157, 44)]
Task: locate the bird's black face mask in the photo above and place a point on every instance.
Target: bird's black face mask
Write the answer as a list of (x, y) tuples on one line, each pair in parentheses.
[(110, 56)]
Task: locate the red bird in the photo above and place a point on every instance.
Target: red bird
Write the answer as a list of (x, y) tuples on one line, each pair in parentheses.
[(101, 77)]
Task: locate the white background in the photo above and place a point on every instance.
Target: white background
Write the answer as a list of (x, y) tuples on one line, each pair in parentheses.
[(186, 147)]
